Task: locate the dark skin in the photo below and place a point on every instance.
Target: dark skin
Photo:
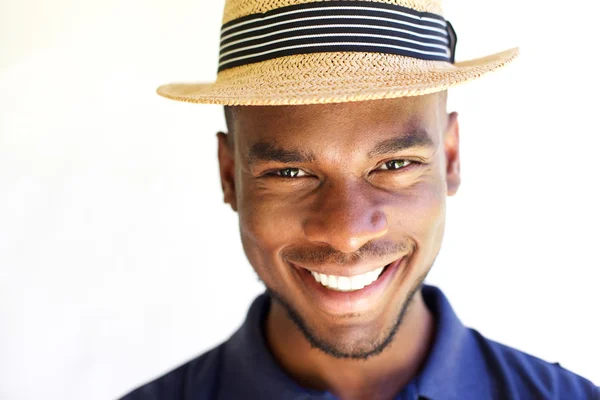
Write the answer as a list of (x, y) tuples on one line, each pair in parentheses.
[(344, 184)]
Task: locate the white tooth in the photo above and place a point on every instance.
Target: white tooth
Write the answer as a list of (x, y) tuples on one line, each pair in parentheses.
[(316, 276), (371, 277), (332, 281), (323, 279), (358, 282), (343, 283)]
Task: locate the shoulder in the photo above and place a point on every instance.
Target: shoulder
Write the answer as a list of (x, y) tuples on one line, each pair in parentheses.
[(520, 372), (197, 379)]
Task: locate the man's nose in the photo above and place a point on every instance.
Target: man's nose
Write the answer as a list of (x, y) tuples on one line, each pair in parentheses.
[(345, 217)]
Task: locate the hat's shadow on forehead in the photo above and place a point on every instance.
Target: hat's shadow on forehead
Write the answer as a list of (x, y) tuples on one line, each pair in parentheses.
[(353, 120)]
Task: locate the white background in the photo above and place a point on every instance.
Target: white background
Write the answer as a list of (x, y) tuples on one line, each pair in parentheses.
[(118, 260)]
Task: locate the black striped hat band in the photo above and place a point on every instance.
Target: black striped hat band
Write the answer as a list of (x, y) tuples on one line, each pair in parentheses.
[(340, 26)]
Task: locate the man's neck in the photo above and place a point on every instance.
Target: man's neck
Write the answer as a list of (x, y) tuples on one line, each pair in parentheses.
[(379, 377)]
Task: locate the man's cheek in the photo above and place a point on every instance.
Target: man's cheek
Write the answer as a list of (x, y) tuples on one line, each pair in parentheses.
[(267, 221), (266, 227), (421, 213)]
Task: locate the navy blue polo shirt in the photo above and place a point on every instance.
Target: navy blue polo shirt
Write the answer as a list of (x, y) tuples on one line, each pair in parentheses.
[(461, 365)]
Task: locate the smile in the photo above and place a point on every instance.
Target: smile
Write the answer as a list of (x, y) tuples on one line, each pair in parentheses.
[(343, 290), (348, 283)]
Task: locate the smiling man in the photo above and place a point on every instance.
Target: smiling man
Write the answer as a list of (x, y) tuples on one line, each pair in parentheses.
[(342, 211), (338, 159)]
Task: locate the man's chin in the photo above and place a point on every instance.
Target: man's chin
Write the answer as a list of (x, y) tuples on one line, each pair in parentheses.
[(349, 340)]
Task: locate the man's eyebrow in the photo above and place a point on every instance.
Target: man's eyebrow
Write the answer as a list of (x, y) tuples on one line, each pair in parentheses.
[(263, 152), (412, 139)]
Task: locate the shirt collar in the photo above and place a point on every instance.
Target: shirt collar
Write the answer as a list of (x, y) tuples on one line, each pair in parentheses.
[(453, 366), (249, 363)]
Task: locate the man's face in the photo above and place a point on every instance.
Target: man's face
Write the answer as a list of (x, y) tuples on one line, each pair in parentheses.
[(341, 191)]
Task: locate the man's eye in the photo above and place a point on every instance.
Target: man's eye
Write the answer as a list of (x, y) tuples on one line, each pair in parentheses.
[(288, 173), (395, 164)]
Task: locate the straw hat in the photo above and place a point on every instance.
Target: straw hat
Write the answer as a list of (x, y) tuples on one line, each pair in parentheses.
[(276, 52)]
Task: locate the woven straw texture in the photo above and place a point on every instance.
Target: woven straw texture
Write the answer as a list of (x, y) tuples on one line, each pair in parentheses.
[(333, 77), (241, 8)]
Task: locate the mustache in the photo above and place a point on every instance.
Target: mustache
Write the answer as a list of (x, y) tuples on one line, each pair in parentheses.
[(329, 255)]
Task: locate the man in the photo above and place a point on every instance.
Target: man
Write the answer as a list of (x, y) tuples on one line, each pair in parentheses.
[(338, 159)]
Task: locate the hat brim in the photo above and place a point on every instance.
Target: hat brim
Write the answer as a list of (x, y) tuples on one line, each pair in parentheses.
[(320, 78)]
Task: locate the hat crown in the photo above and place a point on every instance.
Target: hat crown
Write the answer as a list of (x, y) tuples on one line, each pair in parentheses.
[(240, 8)]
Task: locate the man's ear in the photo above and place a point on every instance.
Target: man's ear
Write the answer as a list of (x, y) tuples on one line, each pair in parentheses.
[(451, 147), (227, 170)]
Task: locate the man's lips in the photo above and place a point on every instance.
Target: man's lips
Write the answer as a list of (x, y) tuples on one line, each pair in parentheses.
[(344, 299), (337, 270)]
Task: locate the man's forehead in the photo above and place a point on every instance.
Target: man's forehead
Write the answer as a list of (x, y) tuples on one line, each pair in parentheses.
[(396, 107), (373, 126)]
